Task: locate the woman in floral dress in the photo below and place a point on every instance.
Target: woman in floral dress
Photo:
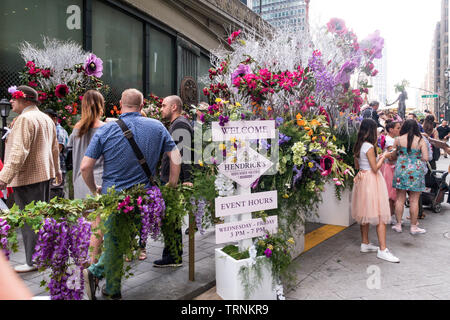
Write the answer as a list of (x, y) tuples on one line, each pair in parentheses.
[(409, 175)]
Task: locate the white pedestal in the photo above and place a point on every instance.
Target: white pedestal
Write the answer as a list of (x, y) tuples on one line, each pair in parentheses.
[(331, 210), (228, 281)]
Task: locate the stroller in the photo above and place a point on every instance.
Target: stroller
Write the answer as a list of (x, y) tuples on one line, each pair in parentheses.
[(435, 189)]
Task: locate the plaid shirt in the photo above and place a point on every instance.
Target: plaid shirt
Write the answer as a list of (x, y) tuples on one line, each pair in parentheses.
[(32, 153)]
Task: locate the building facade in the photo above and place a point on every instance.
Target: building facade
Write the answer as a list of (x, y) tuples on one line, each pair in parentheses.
[(150, 45), (444, 78), (282, 13), (379, 82)]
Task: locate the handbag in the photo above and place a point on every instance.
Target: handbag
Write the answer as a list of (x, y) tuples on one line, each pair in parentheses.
[(129, 135)]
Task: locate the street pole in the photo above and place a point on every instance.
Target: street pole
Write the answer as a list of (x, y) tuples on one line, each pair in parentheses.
[(3, 140)]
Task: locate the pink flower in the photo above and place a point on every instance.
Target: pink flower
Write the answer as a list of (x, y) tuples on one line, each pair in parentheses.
[(32, 84), (139, 200), (336, 25), (326, 164), (374, 73), (46, 73), (61, 90), (338, 183)]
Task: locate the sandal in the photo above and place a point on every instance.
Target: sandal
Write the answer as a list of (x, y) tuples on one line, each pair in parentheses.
[(142, 254)]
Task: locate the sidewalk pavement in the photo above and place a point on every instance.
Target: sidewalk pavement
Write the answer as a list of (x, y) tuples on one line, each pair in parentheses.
[(334, 269)]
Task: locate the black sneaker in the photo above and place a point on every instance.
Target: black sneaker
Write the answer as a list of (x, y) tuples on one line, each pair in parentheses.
[(90, 284), (117, 296), (166, 262)]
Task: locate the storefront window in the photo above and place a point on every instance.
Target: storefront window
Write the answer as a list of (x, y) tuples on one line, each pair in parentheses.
[(118, 39), (29, 20), (203, 76), (162, 63)]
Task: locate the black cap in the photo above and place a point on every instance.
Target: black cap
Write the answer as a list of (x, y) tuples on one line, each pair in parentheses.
[(51, 113)]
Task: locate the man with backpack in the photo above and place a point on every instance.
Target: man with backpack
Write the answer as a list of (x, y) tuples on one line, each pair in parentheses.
[(371, 112)]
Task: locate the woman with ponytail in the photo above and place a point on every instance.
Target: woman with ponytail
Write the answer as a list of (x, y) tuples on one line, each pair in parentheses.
[(409, 174), (92, 107)]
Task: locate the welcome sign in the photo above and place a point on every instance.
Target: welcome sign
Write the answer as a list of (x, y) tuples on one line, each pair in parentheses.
[(243, 130)]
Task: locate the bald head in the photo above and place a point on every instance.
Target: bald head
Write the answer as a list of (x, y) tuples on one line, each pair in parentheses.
[(132, 98), (174, 100)]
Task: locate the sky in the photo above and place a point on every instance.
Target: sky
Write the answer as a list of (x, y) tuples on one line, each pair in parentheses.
[(406, 25)]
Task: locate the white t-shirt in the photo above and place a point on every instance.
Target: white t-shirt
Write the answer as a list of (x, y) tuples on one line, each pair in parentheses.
[(363, 160), (389, 142)]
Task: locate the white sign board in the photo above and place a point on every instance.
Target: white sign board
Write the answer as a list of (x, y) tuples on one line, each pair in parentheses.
[(227, 206), (236, 231), (243, 130), (250, 165)]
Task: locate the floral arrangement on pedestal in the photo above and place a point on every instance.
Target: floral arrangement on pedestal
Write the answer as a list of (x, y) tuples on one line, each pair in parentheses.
[(61, 72), (312, 84)]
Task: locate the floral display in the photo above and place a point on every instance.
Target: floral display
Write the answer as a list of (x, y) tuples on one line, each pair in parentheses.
[(61, 72), (4, 228)]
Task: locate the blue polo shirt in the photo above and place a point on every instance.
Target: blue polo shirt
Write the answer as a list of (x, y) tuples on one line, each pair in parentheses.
[(121, 167)]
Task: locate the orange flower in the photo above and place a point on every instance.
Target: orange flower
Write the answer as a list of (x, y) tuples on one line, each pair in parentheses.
[(341, 113), (315, 123), (310, 133), (298, 116), (307, 128), (301, 123), (314, 139), (269, 108), (74, 110)]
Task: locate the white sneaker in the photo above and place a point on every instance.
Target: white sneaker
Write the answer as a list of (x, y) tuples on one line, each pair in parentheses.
[(397, 228), (368, 248), (387, 255), (25, 268), (417, 230)]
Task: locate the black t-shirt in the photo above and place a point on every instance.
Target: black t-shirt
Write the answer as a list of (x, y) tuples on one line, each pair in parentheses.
[(180, 124), (443, 131)]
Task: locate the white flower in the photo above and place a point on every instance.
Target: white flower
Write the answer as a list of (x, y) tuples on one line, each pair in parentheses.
[(280, 292), (74, 281)]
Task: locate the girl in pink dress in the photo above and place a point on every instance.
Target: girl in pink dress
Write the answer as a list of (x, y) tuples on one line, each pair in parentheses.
[(388, 167), (370, 200)]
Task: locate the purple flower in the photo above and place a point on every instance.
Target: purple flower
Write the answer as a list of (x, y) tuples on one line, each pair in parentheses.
[(241, 70), (298, 172), (278, 122), (268, 253), (242, 116), (346, 71), (223, 120), (12, 89), (283, 139), (373, 45), (93, 66)]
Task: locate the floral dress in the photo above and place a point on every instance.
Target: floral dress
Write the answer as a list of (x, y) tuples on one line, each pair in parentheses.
[(409, 171)]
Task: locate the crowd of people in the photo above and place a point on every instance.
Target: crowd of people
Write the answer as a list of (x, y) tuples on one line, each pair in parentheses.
[(393, 156), (120, 152)]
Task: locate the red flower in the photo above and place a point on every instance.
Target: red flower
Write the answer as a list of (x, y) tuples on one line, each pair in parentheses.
[(42, 96), (61, 90), (18, 95), (46, 73), (30, 64), (34, 71), (32, 84)]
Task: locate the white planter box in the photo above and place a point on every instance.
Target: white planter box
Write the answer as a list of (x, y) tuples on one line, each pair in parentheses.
[(331, 210), (299, 237), (228, 281)]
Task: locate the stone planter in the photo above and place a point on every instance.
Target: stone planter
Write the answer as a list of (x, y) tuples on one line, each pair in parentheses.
[(333, 211), (229, 284)]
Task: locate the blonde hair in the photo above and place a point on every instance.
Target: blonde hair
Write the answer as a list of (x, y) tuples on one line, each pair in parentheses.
[(92, 107)]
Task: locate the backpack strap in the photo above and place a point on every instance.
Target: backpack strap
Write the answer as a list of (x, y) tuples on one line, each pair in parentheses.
[(129, 135)]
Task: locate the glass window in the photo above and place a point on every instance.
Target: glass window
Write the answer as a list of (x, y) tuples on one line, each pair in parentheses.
[(203, 76), (118, 40), (162, 63), (29, 20)]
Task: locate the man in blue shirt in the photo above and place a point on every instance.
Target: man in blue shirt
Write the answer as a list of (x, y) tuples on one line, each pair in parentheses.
[(123, 170)]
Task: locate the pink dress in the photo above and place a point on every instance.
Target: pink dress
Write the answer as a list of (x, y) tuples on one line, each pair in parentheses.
[(387, 170), (370, 200)]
